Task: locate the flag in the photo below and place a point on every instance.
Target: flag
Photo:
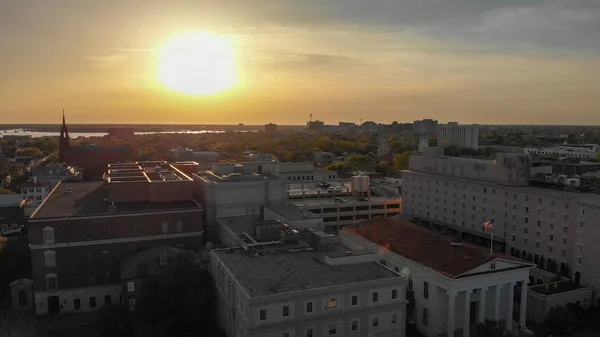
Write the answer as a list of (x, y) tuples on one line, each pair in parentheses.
[(488, 224)]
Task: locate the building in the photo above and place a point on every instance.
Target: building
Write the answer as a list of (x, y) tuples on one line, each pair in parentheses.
[(53, 173), (584, 151), (463, 136), (293, 172), (453, 285), (92, 159), (11, 213), (557, 230), (569, 167), (35, 192), (84, 229), (306, 286), (236, 193), (271, 129), (19, 140), (426, 130)]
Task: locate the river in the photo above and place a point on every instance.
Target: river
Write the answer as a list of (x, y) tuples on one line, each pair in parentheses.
[(37, 134)]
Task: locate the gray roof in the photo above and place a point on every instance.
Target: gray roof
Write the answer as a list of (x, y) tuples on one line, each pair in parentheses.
[(292, 212), (87, 198), (282, 272)]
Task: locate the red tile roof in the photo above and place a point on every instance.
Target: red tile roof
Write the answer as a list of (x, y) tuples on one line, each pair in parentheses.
[(425, 247)]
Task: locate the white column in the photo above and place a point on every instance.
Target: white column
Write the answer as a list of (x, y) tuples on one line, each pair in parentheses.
[(451, 307), (467, 313), (509, 306), (481, 314), (523, 307), (497, 304)]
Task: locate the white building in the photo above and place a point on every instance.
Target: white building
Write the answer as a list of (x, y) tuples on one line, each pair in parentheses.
[(426, 130), (53, 173), (586, 151), (36, 192), (294, 290), (463, 136), (557, 230), (455, 285)]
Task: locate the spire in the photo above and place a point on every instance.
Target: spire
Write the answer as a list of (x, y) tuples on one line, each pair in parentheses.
[(64, 132)]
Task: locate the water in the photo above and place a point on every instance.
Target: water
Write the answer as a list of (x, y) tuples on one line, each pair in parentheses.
[(36, 134)]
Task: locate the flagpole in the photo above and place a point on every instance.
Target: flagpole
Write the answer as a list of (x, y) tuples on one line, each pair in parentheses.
[(492, 241)]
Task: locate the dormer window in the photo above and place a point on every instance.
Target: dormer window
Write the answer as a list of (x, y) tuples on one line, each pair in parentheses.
[(48, 234)]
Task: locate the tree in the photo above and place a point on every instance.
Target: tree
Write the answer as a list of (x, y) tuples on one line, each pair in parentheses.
[(359, 161), (559, 321), (338, 167), (29, 152), (401, 160), (488, 329), (5, 190), (179, 303)]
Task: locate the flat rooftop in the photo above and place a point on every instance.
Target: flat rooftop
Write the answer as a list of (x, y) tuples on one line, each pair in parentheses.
[(591, 198), (292, 212), (210, 176), (283, 272), (425, 247), (86, 198), (348, 199)]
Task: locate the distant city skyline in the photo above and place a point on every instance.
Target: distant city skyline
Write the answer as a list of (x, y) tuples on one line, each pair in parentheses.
[(483, 62)]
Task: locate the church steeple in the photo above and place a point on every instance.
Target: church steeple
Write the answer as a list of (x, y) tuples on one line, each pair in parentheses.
[(64, 141)]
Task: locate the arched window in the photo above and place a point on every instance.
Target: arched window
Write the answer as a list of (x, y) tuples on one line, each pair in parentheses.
[(50, 258), (51, 282), (48, 233)]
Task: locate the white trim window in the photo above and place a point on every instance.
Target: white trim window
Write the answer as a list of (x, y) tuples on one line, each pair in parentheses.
[(165, 227), (49, 259), (51, 281), (130, 286), (48, 233), (179, 226)]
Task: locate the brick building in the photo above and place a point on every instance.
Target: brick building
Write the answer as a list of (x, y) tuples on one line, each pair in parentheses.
[(84, 231)]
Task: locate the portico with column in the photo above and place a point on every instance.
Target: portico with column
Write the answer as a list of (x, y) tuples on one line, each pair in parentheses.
[(488, 306)]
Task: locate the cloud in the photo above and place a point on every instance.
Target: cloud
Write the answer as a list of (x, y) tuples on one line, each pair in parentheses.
[(107, 62)]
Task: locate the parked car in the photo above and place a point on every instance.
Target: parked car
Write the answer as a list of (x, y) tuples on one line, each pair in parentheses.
[(363, 199)]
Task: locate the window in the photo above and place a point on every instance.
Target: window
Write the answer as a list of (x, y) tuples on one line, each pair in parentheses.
[(354, 325), (551, 237), (51, 282), (48, 234), (165, 227), (92, 302), (565, 241), (105, 255), (332, 329), (309, 307), (92, 278), (179, 226), (394, 318), (332, 303), (162, 259), (309, 332), (135, 230), (375, 297), (425, 316), (263, 314), (88, 233), (394, 294), (286, 311), (425, 290), (107, 277), (104, 232), (130, 286), (354, 301), (581, 224), (50, 258), (77, 304), (375, 321), (107, 300), (131, 303)]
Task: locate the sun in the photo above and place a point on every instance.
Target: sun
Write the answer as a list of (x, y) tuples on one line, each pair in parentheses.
[(198, 64)]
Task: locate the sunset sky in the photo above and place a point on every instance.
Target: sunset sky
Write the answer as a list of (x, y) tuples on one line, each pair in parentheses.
[(474, 61)]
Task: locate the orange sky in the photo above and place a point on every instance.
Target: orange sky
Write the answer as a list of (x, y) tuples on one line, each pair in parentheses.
[(341, 60)]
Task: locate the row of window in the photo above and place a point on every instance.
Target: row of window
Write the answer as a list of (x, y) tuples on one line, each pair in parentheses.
[(332, 304), (48, 232), (354, 326), (52, 280)]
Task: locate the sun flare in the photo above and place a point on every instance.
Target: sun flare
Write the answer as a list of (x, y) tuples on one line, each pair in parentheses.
[(198, 64)]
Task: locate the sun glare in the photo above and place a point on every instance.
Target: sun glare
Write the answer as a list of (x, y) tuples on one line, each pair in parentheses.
[(198, 64)]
